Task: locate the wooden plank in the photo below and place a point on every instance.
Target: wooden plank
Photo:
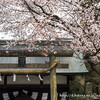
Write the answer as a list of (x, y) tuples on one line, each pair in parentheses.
[(53, 81), (63, 66), (16, 53), (19, 86), (43, 42)]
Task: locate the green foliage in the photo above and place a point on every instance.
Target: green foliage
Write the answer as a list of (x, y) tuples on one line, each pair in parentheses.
[(88, 3), (76, 88), (91, 1)]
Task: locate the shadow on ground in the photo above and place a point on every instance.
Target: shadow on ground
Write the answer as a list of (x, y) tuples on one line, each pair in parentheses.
[(23, 97)]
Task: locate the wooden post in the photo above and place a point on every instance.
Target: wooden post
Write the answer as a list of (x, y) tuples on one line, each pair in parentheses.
[(53, 82)]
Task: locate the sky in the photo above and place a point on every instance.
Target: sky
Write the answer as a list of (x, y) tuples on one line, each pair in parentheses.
[(5, 37)]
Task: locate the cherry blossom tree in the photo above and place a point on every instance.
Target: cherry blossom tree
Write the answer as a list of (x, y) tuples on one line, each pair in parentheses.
[(34, 20)]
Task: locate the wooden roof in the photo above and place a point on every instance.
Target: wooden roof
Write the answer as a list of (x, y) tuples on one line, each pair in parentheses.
[(69, 64)]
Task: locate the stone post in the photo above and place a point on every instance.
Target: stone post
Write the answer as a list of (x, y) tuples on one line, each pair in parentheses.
[(88, 91)]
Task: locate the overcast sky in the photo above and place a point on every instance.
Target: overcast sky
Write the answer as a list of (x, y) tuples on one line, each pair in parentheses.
[(5, 37)]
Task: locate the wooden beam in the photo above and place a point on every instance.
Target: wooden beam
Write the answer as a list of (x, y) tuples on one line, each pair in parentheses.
[(53, 81), (28, 70), (16, 53), (41, 65), (30, 86)]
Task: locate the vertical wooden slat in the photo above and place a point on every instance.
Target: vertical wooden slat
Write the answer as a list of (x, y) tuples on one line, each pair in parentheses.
[(68, 85), (21, 61), (53, 81), (5, 80)]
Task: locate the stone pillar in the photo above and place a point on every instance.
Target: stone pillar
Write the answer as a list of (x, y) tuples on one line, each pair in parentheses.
[(53, 81), (99, 90), (88, 91)]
